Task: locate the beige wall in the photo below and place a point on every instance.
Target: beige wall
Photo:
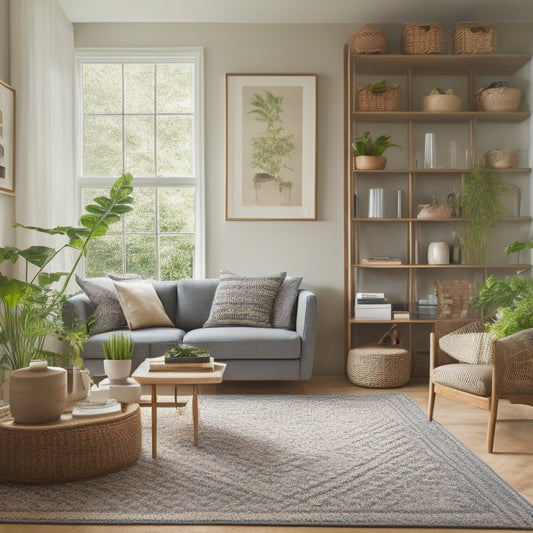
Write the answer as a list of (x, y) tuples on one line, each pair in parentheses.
[(7, 202)]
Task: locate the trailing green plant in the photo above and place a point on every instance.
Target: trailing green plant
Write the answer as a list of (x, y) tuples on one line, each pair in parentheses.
[(482, 205), (31, 308), (366, 145), (118, 346)]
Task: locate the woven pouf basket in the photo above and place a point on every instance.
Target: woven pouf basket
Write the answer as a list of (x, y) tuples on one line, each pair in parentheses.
[(378, 366)]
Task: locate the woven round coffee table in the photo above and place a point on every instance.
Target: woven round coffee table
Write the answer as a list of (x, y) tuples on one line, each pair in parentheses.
[(71, 448)]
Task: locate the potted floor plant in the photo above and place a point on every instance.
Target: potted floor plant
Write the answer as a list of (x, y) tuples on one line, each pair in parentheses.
[(118, 349), (31, 307), (368, 152)]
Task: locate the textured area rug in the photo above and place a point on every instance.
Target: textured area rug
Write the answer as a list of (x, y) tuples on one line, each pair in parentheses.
[(320, 460)]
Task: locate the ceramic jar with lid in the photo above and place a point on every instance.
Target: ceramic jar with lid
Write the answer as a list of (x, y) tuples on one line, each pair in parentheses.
[(37, 393)]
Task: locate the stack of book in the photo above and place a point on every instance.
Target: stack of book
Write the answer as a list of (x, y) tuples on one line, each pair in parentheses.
[(184, 357), (386, 261), (372, 306)]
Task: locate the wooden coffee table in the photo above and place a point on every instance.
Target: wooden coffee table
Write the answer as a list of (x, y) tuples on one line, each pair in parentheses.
[(145, 376)]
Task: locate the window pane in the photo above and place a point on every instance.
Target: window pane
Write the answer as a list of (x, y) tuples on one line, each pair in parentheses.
[(174, 88), (176, 210), (139, 157), (139, 91), (102, 146), (174, 146), (142, 218), (176, 256), (141, 255), (104, 256), (102, 88)]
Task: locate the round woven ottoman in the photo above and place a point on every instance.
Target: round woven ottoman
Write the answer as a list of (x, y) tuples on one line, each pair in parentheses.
[(71, 448), (378, 366)]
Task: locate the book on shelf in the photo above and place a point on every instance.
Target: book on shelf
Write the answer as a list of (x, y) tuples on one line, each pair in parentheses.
[(370, 298), (400, 315), (372, 311), (385, 260)]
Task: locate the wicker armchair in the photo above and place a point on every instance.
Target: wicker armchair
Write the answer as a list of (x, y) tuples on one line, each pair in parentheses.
[(478, 371)]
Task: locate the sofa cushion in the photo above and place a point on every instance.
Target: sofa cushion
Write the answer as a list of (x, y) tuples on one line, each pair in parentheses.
[(141, 305), (244, 301), (194, 299), (284, 309), (246, 342), (107, 310)]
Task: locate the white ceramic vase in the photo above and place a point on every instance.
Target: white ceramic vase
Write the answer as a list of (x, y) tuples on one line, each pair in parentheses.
[(117, 370), (438, 253)]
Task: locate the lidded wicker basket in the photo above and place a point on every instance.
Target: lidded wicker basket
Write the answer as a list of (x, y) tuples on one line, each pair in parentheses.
[(389, 100), (474, 38), (419, 38), (368, 41)]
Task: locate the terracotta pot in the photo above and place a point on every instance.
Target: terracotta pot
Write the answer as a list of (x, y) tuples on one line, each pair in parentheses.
[(370, 162), (441, 103), (117, 370), (38, 393)]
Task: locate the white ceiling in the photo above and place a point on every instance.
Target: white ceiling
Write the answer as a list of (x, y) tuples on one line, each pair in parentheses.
[(298, 11)]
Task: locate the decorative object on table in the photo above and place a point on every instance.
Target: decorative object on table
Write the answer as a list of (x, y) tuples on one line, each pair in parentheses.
[(453, 298), (375, 203), (7, 137), (481, 205), (30, 310), (440, 101), (430, 150), (420, 38), (502, 158), (474, 38), (384, 364), (271, 146), (118, 349), (499, 97), (183, 357), (369, 152), (38, 393), (378, 97), (78, 383), (438, 253), (92, 408), (368, 40)]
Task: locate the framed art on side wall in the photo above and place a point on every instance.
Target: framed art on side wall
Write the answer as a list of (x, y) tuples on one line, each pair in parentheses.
[(7, 138), (271, 146)]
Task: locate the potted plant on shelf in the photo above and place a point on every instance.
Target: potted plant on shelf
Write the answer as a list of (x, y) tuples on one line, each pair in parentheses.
[(439, 101), (369, 152), (118, 349), (481, 205), (31, 308)]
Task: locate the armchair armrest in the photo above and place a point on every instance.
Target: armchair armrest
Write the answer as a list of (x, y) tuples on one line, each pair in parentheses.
[(306, 328), (514, 363)]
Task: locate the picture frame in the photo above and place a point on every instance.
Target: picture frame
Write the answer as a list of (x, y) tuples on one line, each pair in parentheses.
[(271, 146), (7, 138)]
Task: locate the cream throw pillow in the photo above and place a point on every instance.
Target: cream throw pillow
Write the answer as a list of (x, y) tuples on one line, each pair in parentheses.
[(141, 305)]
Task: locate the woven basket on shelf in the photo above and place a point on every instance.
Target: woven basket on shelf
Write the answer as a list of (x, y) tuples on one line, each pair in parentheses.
[(420, 38), (368, 41), (504, 99), (453, 298), (474, 38), (389, 100)]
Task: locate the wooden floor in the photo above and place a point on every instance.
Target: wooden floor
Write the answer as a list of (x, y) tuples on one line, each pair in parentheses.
[(512, 458)]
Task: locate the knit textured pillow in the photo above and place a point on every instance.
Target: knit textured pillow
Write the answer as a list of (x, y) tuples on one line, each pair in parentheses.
[(107, 310), (283, 312), (244, 301)]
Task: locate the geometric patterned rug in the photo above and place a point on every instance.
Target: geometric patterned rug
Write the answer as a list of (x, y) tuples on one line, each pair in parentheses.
[(369, 460)]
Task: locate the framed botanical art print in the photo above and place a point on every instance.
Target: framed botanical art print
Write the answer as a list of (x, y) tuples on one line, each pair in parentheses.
[(271, 146), (7, 138)]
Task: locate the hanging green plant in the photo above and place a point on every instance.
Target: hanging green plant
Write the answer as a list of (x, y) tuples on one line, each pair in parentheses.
[(482, 205)]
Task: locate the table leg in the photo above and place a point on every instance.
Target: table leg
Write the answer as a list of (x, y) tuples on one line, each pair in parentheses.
[(195, 412), (154, 421)]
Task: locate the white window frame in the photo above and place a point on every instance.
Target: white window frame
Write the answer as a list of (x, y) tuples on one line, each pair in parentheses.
[(193, 55)]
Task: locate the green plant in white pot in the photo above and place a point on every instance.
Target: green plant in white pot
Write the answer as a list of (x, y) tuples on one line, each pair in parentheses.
[(118, 349)]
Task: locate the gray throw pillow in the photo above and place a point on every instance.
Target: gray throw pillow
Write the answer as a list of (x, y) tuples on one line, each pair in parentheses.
[(107, 310), (244, 301), (283, 312)]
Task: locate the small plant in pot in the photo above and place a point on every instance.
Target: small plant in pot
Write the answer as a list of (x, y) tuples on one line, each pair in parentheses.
[(369, 152), (118, 349)]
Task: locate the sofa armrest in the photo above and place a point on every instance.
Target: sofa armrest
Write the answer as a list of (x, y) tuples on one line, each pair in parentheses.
[(306, 328), (77, 307)]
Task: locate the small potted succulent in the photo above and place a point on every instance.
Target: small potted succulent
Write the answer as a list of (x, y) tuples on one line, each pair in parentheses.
[(440, 101), (369, 152), (118, 349)]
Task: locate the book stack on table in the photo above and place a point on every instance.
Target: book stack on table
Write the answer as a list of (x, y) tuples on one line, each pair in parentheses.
[(184, 357), (372, 306)]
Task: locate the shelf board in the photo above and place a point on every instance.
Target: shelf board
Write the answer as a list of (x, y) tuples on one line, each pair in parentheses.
[(423, 220), (392, 321), (481, 64), (452, 266), (433, 171), (423, 116)]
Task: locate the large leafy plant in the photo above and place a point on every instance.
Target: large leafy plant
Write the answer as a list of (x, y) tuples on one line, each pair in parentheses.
[(30, 308), (366, 145)]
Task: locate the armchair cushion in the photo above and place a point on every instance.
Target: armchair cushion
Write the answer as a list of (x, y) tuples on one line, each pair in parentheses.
[(475, 379), (469, 344)]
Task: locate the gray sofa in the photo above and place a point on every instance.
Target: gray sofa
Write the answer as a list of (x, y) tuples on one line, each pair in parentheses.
[(250, 353)]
